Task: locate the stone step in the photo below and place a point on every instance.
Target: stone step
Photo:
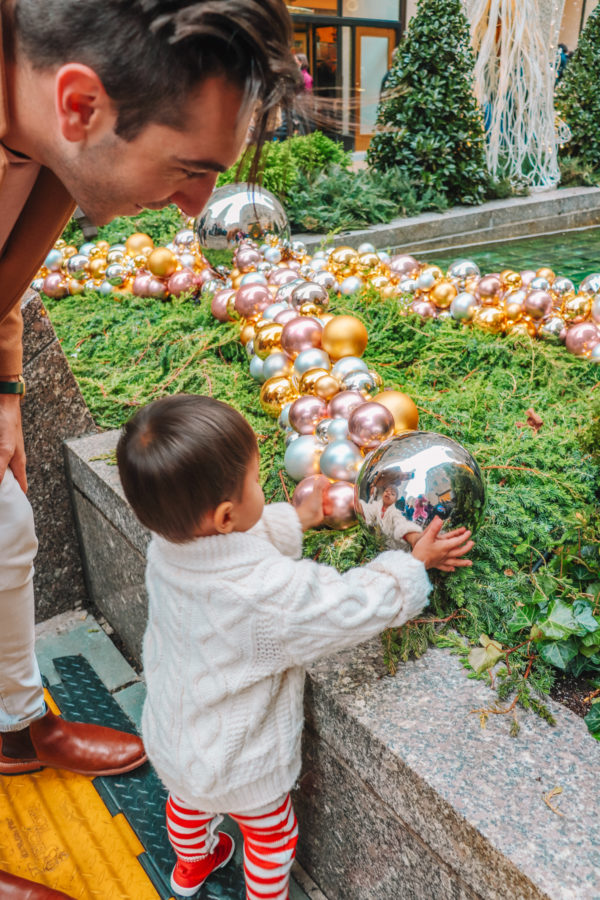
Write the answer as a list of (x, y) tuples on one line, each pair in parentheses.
[(403, 793), (539, 214)]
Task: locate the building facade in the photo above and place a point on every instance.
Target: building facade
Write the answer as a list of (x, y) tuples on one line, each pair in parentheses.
[(349, 46)]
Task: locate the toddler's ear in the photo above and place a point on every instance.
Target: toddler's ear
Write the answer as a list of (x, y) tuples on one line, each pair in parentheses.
[(223, 518)]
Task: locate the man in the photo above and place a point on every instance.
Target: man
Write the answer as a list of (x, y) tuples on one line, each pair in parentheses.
[(115, 105)]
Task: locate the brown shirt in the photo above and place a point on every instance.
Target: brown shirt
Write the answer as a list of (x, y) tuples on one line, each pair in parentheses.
[(43, 215)]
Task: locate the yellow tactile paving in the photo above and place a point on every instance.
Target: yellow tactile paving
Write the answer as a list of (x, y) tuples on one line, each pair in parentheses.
[(56, 830)]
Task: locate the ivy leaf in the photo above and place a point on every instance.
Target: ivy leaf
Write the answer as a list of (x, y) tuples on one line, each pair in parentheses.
[(559, 653), (592, 720), (486, 656), (523, 617), (592, 639), (561, 622), (579, 664), (583, 612)]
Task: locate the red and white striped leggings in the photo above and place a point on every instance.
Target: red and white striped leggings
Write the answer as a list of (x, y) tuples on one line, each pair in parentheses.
[(270, 838)]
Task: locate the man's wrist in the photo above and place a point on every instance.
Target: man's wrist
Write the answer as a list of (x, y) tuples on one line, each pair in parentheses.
[(12, 385)]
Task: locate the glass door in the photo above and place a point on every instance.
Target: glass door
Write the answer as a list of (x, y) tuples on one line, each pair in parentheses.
[(373, 57)]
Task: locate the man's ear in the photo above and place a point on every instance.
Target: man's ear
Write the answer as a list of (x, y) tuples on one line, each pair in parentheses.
[(223, 517), (82, 104)]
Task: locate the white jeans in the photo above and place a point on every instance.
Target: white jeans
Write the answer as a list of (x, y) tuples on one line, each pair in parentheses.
[(21, 692)]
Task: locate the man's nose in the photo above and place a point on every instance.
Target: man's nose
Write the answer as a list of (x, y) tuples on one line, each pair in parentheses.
[(193, 199)]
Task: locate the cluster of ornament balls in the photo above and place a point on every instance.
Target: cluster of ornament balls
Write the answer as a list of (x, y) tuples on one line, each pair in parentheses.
[(136, 266), (534, 303), (312, 374)]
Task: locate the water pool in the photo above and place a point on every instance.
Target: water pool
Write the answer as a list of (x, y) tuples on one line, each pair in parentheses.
[(574, 254)]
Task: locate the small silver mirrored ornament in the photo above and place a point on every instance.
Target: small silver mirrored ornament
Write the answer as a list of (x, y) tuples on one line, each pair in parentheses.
[(591, 284), (463, 269), (429, 475), (236, 212)]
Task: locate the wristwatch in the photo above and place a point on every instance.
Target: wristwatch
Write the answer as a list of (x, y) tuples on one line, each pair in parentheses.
[(13, 387)]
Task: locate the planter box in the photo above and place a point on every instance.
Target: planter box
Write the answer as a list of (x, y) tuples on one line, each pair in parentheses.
[(466, 226), (403, 793)]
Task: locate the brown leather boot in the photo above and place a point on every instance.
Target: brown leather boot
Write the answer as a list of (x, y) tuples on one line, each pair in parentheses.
[(14, 888), (85, 749)]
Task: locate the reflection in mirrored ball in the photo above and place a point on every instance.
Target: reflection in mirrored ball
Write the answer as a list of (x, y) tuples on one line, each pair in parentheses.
[(431, 475)]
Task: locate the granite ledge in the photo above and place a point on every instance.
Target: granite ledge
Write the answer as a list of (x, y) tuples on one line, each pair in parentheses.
[(473, 795)]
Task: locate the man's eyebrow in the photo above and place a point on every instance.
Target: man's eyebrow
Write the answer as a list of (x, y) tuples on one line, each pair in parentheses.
[(204, 164)]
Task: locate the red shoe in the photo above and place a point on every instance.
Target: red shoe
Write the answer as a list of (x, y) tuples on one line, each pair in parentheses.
[(187, 877), (74, 746)]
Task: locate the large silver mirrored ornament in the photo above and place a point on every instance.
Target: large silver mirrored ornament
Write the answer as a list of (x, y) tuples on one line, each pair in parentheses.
[(236, 212), (422, 475)]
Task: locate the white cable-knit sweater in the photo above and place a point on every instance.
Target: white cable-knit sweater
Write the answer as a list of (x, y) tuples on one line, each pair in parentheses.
[(233, 621)]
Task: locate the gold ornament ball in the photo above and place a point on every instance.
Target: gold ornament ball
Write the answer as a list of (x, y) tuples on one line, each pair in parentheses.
[(326, 387), (577, 308), (309, 309), (275, 393), (513, 310), (344, 336), (308, 380), (97, 268), (267, 339), (60, 243), (546, 273), (377, 379), (490, 319), (232, 312), (247, 333), (97, 253), (379, 282), (74, 286), (135, 243), (403, 409), (442, 294), (511, 279), (369, 260), (162, 262), (69, 250), (344, 256), (525, 326), (102, 245)]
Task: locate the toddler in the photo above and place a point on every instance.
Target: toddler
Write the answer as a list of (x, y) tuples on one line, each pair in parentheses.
[(235, 616)]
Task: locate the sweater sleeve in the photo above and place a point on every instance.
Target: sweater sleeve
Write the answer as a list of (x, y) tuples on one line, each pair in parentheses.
[(324, 611), (280, 525), (403, 526)]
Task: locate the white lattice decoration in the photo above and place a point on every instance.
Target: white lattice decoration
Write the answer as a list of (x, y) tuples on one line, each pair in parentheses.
[(515, 43)]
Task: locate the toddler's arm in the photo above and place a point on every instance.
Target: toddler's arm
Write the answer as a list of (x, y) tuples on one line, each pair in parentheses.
[(280, 525), (313, 610)]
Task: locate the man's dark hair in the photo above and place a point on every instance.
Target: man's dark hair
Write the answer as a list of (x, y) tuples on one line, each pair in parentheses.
[(150, 53), (179, 458)]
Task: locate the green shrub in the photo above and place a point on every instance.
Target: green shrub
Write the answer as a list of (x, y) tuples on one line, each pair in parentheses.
[(429, 124), (282, 163), (578, 97), (339, 199)]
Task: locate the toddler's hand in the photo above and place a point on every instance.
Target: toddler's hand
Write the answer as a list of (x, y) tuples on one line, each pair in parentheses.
[(310, 510), (443, 551)]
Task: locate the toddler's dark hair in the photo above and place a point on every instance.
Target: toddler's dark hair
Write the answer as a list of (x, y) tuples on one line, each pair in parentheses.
[(179, 458)]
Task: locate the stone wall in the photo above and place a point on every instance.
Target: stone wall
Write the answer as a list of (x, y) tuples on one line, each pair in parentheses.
[(53, 410)]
